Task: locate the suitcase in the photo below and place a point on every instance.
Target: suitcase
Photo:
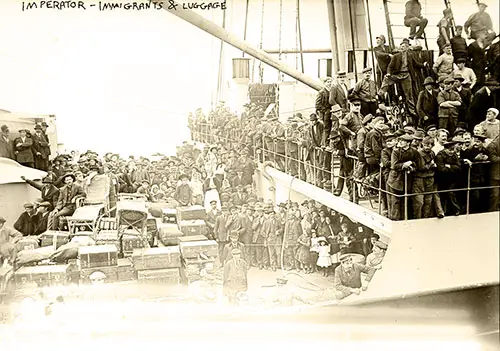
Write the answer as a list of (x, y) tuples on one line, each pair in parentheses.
[(98, 256), (130, 243), (168, 234), (186, 239), (51, 237), (191, 269), (156, 258), (190, 213), (126, 270), (169, 215), (193, 227), (111, 273), (193, 249), (42, 276), (167, 276), (27, 243), (107, 235)]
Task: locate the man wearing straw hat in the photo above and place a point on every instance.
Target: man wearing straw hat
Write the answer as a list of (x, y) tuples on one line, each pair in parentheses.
[(347, 279)]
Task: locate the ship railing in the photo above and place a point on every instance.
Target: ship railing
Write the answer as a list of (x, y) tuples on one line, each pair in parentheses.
[(303, 161)]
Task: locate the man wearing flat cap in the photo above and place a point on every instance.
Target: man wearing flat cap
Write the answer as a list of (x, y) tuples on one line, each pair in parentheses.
[(68, 195), (42, 217), (449, 102), (347, 279), (383, 55), (404, 162), (427, 106), (6, 144), (466, 72), (22, 149), (367, 92), (235, 276), (26, 222), (375, 258), (478, 22)]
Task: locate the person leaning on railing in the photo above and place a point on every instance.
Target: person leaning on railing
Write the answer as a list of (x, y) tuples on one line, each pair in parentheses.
[(449, 168), (478, 176), (494, 156)]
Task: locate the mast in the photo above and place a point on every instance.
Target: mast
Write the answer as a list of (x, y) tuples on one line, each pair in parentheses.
[(333, 33)]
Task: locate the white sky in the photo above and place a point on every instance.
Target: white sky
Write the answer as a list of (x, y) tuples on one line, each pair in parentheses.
[(125, 81)]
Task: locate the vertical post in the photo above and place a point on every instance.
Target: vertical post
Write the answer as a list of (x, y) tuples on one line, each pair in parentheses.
[(380, 191), (299, 29), (353, 41), (468, 189), (286, 155), (371, 40), (406, 196), (333, 33), (246, 24)]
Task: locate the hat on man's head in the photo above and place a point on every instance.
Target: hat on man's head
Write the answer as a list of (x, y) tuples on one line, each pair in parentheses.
[(461, 60), (345, 257), (45, 204), (494, 110), (2, 220), (409, 130), (443, 130), (71, 175), (419, 135), (389, 137), (28, 205), (336, 108), (430, 127), (459, 131), (353, 97), (429, 81), (482, 4), (441, 79), (405, 41), (458, 76), (313, 117), (480, 136), (38, 127), (44, 124), (381, 37), (23, 130), (183, 176), (341, 74), (449, 80), (4, 128), (406, 137), (213, 201), (367, 70)]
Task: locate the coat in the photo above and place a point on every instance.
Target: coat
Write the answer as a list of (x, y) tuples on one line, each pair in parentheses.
[(313, 139), (41, 223), (49, 192), (221, 228), (26, 224), (397, 60), (337, 96), (427, 105), (228, 255), (383, 55), (235, 277), (67, 197), (23, 151), (293, 231), (447, 176), (245, 232), (494, 156), (211, 217), (374, 143), (322, 104), (397, 175), (6, 148), (344, 282), (40, 145)]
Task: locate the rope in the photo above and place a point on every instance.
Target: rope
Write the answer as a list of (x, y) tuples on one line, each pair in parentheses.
[(280, 74), (261, 65)]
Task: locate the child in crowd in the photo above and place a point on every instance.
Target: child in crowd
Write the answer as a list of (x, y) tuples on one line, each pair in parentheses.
[(303, 253), (324, 260), (314, 249)]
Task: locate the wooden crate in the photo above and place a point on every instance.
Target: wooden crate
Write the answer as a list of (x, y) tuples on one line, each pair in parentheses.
[(131, 242), (51, 237), (193, 249), (167, 276), (156, 258), (189, 213), (111, 273), (169, 215), (98, 256), (193, 227), (41, 276)]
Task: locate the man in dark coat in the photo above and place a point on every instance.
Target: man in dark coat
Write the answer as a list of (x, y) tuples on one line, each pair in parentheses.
[(447, 177), (41, 149), (339, 93), (323, 105), (374, 144), (478, 22), (404, 161), (486, 97), (49, 192), (221, 231), (477, 59), (26, 222), (465, 95), (427, 106), (6, 144), (347, 279), (42, 218), (494, 156), (346, 165), (211, 217), (23, 149)]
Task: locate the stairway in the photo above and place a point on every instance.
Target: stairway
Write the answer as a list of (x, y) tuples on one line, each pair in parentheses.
[(431, 9)]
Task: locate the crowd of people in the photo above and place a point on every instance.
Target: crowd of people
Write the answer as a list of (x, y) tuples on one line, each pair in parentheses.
[(442, 154)]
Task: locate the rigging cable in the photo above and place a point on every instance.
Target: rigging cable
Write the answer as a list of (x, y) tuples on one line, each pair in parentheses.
[(246, 24), (280, 74), (299, 31), (221, 62), (261, 65)]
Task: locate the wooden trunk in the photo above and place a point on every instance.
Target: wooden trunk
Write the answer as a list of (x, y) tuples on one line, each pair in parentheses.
[(111, 273), (169, 215), (190, 213), (51, 237), (41, 276), (193, 227), (126, 270), (98, 256), (194, 249), (27, 243), (168, 234), (168, 276), (156, 258)]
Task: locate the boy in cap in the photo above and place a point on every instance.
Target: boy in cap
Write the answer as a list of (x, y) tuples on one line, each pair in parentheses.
[(449, 102), (347, 279), (183, 192)]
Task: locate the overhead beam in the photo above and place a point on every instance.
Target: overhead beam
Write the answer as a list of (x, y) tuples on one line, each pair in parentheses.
[(219, 32), (295, 51)]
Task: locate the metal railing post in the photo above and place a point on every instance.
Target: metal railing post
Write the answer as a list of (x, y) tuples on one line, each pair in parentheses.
[(286, 156), (406, 196), (380, 191), (468, 189)]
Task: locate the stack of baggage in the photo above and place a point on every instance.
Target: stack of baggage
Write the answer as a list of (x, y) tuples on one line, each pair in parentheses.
[(198, 254), (157, 266), (191, 220), (99, 258), (42, 276)]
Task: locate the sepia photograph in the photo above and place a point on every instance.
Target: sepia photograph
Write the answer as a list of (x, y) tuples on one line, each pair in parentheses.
[(250, 174)]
